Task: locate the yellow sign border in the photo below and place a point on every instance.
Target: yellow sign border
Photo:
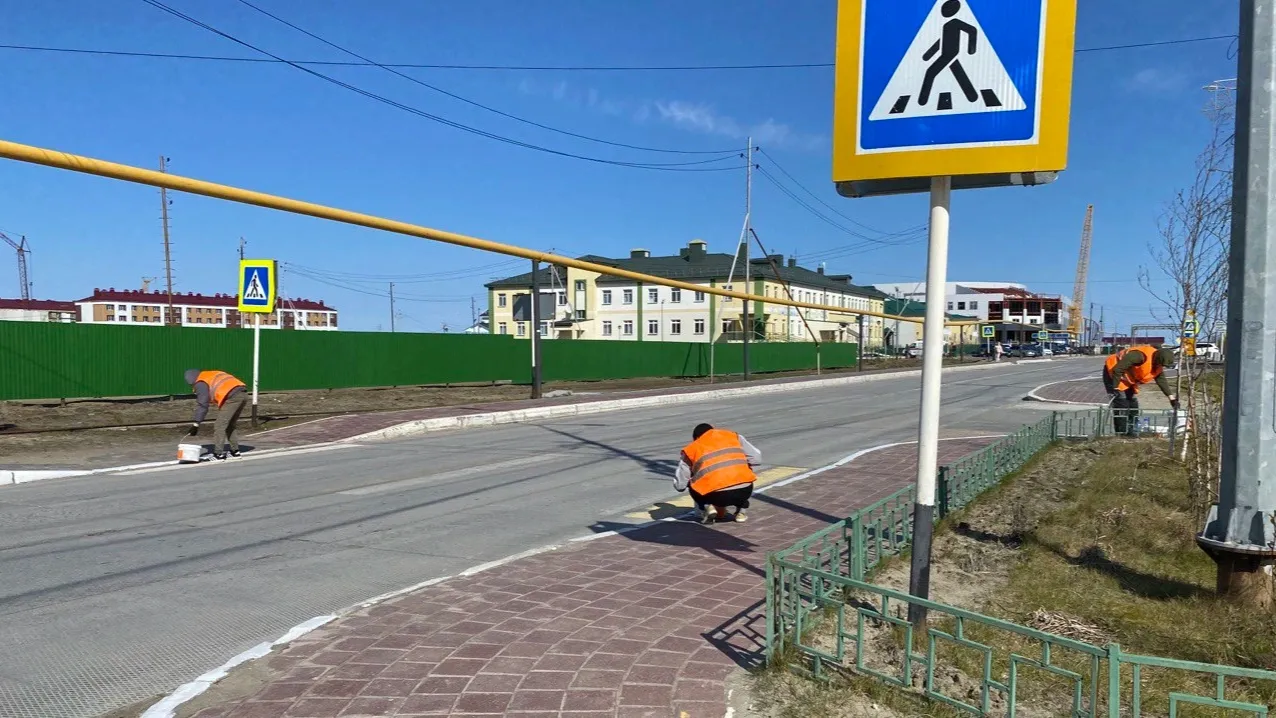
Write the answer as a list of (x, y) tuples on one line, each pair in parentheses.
[(270, 266), (1049, 154)]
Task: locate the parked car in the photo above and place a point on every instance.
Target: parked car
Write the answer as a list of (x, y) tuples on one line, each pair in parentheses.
[(1026, 351), (1044, 349)]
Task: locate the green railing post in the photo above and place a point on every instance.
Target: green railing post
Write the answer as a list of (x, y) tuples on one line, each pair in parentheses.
[(942, 491), (770, 609), (857, 547), (1054, 426), (1114, 681)]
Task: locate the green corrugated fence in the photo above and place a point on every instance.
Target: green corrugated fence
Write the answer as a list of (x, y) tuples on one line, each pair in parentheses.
[(49, 361)]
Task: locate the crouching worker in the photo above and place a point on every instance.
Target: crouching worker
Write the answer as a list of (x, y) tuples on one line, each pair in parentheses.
[(717, 468)]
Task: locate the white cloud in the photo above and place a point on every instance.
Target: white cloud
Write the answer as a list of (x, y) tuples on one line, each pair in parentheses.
[(701, 117), (1157, 80)]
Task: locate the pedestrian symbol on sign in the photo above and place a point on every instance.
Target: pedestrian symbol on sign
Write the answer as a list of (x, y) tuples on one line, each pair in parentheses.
[(254, 291), (961, 77)]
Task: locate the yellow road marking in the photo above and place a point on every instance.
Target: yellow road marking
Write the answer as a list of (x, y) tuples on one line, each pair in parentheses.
[(683, 502)]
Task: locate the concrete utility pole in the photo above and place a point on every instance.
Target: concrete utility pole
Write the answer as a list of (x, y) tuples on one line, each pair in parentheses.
[(391, 307), (1239, 532), (242, 244), (746, 323), (536, 330), (168, 256)]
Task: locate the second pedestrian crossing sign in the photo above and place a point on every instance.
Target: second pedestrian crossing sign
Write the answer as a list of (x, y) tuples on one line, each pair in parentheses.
[(974, 89), (257, 286)]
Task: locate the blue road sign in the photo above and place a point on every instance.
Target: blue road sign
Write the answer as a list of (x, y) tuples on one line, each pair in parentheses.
[(952, 87), (257, 285)]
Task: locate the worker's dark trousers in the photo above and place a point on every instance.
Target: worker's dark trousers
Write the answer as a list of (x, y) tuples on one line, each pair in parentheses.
[(1125, 407), (227, 421)]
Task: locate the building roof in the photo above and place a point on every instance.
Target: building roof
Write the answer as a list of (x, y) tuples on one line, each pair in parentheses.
[(50, 305), (191, 299), (907, 308), (700, 265)]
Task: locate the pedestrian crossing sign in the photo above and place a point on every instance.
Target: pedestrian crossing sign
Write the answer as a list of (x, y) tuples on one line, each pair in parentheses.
[(978, 90), (989, 331), (257, 286)]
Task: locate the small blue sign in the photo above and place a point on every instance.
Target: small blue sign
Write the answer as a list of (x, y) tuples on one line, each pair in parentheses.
[(255, 288), (941, 74)]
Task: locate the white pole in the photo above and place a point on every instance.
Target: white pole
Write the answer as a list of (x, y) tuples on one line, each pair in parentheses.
[(256, 360), (932, 368)]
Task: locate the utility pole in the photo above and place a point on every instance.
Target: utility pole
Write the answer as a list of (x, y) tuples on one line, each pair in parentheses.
[(168, 255), (536, 329), (242, 242), (473, 313), (747, 323), (1238, 533), (391, 307), (1089, 327)]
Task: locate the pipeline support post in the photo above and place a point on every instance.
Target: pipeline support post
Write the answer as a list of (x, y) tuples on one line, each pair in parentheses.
[(535, 316)]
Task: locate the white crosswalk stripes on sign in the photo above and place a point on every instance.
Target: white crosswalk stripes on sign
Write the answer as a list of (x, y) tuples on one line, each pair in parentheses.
[(950, 68)]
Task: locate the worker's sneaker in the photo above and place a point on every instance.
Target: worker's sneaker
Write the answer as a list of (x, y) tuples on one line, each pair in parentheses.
[(219, 457), (741, 516), (234, 453), (708, 514), (722, 513)]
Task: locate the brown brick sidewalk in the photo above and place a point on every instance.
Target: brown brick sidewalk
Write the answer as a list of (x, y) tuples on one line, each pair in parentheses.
[(645, 623), (1080, 391)]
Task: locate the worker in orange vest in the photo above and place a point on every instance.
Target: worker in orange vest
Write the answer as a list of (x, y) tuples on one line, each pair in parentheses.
[(1128, 369), (230, 395), (717, 468)]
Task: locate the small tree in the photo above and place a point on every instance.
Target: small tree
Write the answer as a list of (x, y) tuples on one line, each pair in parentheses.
[(1192, 251)]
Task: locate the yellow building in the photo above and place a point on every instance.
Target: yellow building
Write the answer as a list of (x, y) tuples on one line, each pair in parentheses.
[(576, 304)]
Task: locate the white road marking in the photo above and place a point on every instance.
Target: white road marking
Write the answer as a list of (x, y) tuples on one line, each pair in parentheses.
[(254, 456)]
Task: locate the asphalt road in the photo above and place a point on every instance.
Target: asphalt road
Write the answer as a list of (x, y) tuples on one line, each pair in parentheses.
[(116, 589)]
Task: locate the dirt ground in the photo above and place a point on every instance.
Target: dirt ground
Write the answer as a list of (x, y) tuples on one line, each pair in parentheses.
[(973, 558), (113, 431)]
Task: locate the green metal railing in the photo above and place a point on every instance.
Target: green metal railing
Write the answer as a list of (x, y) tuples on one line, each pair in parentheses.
[(824, 578)]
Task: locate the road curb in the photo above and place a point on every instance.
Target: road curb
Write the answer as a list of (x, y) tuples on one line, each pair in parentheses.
[(1034, 396), (518, 416)]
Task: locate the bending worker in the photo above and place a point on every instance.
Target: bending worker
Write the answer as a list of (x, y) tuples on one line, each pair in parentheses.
[(1125, 371), (717, 467), (230, 396)]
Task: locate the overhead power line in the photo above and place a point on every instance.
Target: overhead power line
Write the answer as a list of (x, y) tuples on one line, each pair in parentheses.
[(531, 68), (473, 103), (894, 240), (666, 166)]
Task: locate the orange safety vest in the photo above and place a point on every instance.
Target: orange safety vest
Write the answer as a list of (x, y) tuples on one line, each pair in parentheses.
[(220, 384), (717, 462), (1140, 374)]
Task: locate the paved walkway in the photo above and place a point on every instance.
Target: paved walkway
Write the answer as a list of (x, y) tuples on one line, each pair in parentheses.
[(1091, 391), (647, 623)]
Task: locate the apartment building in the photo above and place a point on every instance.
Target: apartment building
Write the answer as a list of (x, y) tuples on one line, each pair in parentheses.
[(992, 302), (576, 304), (38, 310), (109, 306)]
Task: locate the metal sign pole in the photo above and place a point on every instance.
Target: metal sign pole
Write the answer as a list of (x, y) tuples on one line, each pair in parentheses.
[(1238, 534), (932, 374), (256, 362), (536, 330)]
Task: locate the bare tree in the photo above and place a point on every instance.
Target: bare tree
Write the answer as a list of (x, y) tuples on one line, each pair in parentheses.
[(1192, 251)]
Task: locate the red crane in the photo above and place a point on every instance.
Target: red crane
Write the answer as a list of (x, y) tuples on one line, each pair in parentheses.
[(23, 249)]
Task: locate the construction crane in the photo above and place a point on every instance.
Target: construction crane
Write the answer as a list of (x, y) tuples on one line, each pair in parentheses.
[(1075, 318), (23, 249)]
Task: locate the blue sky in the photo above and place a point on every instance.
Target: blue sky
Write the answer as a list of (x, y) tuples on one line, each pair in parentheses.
[(1136, 128)]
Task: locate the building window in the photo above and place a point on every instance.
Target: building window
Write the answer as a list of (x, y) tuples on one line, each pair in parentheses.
[(607, 296), (653, 295), (675, 295), (562, 299), (580, 313), (699, 296), (628, 328), (950, 306), (699, 326), (544, 329), (974, 305), (606, 329), (500, 300), (628, 296), (653, 327), (726, 326), (961, 305), (502, 328), (675, 326), (580, 285), (521, 328)]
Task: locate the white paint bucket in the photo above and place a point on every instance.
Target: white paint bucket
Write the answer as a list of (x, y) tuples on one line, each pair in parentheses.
[(189, 453)]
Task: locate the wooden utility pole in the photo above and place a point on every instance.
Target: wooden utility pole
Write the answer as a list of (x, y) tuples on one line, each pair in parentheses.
[(391, 307), (168, 255)]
